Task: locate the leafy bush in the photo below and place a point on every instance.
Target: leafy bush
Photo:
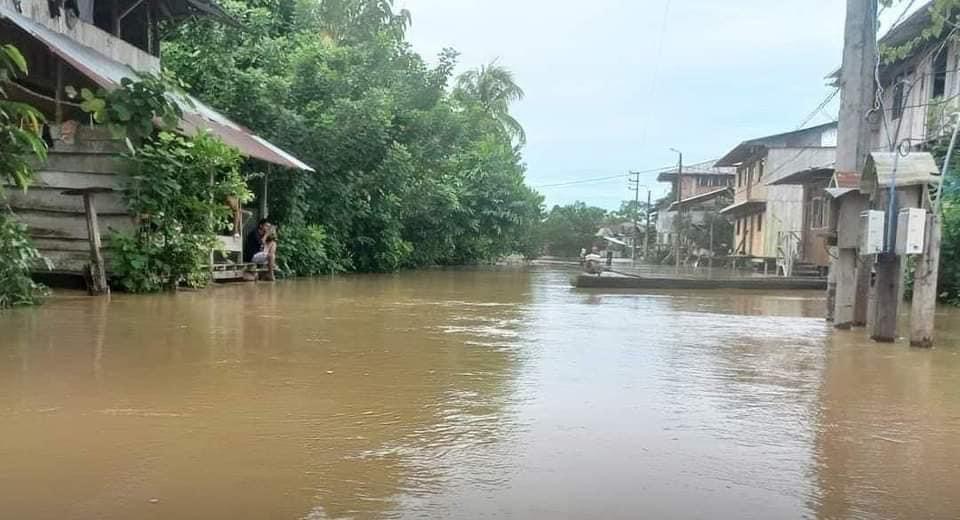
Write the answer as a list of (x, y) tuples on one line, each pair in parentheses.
[(19, 257), (132, 110), (20, 127), (307, 251), (178, 189)]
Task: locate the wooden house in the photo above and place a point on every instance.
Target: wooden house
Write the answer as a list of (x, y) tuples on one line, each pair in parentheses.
[(695, 191), (91, 44), (767, 216)]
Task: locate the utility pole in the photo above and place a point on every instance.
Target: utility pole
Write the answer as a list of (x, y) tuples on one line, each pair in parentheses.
[(927, 272), (679, 216), (853, 145), (646, 233), (635, 185)]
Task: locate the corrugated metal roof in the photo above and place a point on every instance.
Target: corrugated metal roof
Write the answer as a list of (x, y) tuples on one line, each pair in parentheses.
[(703, 197), (697, 169), (197, 116), (915, 169), (805, 176), (744, 208), (794, 139), (845, 180)]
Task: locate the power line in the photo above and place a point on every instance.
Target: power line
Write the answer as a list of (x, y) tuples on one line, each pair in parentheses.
[(819, 108), (602, 179)]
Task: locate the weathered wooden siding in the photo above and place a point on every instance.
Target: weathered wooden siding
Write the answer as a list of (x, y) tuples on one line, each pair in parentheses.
[(917, 110), (56, 221)]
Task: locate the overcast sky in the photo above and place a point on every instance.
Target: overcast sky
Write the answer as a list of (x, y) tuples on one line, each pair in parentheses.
[(612, 85)]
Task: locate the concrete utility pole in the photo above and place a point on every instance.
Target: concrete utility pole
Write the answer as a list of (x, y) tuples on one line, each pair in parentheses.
[(679, 216), (853, 145), (927, 272), (646, 232), (635, 185)]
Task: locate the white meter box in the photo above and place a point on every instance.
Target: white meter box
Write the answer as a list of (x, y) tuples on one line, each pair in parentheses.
[(871, 232), (911, 226)]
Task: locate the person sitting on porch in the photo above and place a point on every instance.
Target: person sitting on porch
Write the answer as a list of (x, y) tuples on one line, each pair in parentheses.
[(268, 256), (255, 239), (260, 247)]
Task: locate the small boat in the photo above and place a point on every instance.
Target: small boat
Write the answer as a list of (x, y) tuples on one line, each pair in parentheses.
[(624, 281)]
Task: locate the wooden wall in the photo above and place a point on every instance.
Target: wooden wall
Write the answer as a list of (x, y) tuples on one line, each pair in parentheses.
[(56, 221)]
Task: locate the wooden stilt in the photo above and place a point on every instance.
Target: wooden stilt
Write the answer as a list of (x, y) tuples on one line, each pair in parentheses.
[(97, 269)]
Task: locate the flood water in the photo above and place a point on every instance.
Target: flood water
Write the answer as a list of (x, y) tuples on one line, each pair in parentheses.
[(468, 394)]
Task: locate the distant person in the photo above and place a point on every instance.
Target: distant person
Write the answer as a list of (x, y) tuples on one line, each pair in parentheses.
[(255, 239), (593, 261), (260, 248), (268, 256)]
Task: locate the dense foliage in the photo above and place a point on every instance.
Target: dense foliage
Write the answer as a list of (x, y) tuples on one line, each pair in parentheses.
[(19, 140), (410, 171), (177, 188), (949, 279), (135, 108), (570, 228)]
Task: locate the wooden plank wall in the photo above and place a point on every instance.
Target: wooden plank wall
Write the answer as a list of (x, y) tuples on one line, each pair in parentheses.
[(56, 221)]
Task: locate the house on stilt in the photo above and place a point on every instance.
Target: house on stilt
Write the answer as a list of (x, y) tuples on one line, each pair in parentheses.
[(92, 44)]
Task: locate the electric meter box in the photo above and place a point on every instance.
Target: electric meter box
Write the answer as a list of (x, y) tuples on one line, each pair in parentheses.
[(871, 232), (911, 226)]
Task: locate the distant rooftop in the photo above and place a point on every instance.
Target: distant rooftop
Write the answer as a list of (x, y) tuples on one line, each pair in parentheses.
[(696, 169)]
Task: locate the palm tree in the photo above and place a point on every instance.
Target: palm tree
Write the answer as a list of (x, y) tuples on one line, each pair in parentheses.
[(360, 19), (494, 88)]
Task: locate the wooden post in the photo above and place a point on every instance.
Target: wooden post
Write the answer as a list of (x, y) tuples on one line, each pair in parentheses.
[(924, 304), (264, 209), (97, 269), (853, 138), (58, 96)]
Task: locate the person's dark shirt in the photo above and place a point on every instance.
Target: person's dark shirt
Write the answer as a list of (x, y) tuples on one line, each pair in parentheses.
[(253, 245)]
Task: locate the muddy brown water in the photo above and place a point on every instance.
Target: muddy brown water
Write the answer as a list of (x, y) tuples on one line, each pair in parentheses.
[(469, 394)]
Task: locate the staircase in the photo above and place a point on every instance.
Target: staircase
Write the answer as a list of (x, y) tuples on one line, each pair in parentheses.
[(807, 270)]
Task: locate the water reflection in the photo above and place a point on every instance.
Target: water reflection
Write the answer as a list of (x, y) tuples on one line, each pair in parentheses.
[(467, 394), (255, 401)]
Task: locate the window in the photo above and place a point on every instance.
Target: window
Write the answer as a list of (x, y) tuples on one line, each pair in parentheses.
[(760, 222), (760, 169), (940, 74), (897, 109), (818, 213), (738, 226)]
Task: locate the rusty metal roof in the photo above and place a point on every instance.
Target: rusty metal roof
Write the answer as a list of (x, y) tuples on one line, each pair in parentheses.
[(197, 116)]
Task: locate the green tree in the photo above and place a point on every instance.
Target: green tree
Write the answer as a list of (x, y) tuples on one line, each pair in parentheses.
[(494, 87), (567, 229), (408, 174)]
